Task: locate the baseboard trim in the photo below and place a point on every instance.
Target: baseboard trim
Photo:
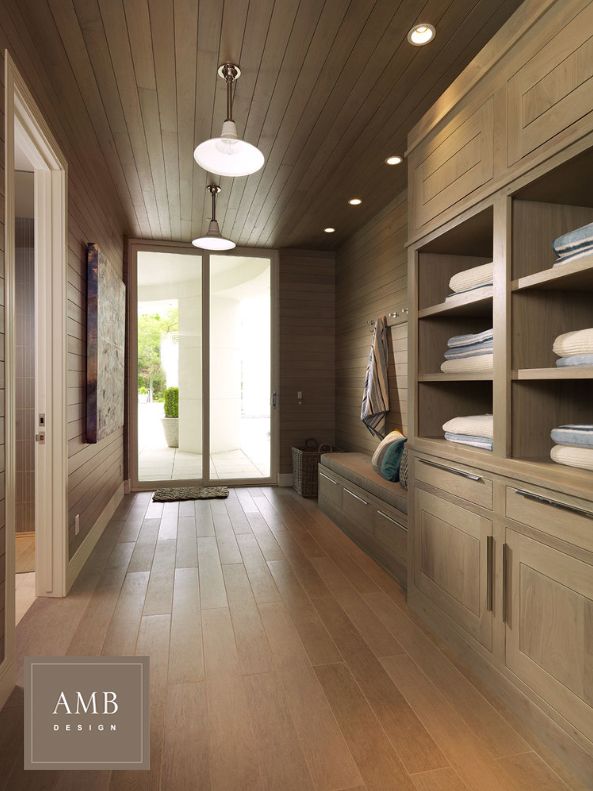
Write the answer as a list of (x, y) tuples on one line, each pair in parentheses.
[(89, 542), (285, 479), (7, 680)]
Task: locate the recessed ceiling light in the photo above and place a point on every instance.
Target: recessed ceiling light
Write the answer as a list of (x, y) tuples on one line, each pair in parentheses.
[(329, 230), (421, 34), (355, 201), (394, 160)]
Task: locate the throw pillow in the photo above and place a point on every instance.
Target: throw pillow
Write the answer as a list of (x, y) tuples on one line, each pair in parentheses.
[(393, 436), (403, 469)]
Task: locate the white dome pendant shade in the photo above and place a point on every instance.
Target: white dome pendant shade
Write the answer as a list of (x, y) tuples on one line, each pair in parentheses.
[(213, 240), (228, 155)]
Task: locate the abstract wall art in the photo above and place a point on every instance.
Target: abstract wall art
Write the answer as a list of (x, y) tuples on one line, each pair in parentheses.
[(106, 336)]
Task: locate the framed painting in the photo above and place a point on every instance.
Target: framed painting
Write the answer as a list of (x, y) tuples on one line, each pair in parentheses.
[(106, 336)]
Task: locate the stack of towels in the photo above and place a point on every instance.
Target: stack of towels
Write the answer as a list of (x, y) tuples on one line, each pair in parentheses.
[(574, 348), (469, 353), (474, 430), (574, 446), (478, 279), (574, 244)]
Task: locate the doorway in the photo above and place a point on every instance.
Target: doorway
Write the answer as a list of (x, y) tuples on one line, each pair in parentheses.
[(202, 351), (35, 359)]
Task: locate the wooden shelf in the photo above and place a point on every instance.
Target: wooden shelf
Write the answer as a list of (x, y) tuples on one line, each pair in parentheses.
[(462, 305), (436, 445), (572, 372), (574, 276), (441, 377)]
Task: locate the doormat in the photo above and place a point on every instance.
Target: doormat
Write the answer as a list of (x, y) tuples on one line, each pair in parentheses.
[(190, 493)]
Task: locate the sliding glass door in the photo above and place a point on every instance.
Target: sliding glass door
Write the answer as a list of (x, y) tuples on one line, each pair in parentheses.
[(201, 365)]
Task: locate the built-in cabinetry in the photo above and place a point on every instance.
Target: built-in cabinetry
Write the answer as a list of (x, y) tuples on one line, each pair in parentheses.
[(500, 556)]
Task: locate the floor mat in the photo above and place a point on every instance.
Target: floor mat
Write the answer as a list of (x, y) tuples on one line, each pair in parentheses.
[(190, 493)]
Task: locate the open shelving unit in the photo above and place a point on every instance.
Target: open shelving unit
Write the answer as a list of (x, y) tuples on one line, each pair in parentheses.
[(531, 303)]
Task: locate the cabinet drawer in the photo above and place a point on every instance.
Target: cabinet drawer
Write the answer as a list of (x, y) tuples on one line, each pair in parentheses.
[(390, 534), (553, 90), (463, 482), (567, 519), (453, 562), (357, 508), (448, 167), (330, 490)]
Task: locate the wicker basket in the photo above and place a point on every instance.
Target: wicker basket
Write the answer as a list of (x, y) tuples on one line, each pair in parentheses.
[(304, 467)]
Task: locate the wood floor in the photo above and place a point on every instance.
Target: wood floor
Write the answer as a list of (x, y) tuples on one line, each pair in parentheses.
[(25, 553), (282, 658)]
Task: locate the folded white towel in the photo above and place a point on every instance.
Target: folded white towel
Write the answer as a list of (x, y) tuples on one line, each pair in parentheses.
[(477, 293), (573, 456), (577, 342), (472, 278), (482, 364), (472, 425)]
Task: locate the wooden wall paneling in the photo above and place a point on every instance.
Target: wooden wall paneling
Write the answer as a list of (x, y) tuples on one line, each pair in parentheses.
[(307, 350), (371, 279)]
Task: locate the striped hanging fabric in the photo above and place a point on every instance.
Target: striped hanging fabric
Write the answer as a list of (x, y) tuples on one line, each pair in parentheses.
[(375, 398)]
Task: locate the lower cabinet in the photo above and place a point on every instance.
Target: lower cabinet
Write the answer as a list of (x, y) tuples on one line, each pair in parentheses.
[(549, 626), (453, 562)]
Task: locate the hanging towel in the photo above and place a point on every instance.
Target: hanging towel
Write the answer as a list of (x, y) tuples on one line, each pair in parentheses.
[(375, 398), (482, 275)]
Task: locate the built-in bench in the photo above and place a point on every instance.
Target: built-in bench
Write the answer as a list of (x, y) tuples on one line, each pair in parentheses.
[(369, 509)]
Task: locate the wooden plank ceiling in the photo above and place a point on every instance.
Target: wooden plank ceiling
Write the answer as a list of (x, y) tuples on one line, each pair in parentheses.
[(329, 89)]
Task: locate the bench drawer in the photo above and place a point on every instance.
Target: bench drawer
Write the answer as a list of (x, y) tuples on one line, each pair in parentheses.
[(330, 490), (392, 535), (357, 508), (565, 518), (464, 482)]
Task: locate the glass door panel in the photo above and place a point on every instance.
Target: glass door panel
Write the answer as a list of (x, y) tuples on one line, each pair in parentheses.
[(169, 332), (240, 367)]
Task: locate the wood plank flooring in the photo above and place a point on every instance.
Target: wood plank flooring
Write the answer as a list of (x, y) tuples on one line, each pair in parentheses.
[(282, 658)]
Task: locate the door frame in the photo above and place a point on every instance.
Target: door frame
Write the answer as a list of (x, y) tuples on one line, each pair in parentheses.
[(51, 255), (144, 245)]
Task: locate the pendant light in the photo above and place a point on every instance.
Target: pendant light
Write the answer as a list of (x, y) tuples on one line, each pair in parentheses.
[(213, 240), (228, 155)]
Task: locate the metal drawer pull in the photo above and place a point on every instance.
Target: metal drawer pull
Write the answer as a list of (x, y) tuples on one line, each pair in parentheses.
[(327, 478), (389, 519), (489, 572), (356, 497), (471, 475), (505, 583), (554, 503)]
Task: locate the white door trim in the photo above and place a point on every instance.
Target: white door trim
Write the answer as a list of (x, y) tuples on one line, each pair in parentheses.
[(51, 459)]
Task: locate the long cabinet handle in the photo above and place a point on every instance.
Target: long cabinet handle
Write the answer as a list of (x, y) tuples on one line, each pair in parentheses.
[(356, 497), (538, 498), (489, 573), (505, 581), (327, 478), (455, 470), (389, 519)]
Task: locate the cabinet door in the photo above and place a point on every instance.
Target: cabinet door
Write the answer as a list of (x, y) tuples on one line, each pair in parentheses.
[(549, 638), (447, 168), (553, 90), (453, 562)]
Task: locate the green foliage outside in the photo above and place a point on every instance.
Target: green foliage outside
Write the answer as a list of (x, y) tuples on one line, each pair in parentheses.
[(151, 328), (172, 402)]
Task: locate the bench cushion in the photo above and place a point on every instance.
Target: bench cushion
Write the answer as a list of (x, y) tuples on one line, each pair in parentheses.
[(357, 467)]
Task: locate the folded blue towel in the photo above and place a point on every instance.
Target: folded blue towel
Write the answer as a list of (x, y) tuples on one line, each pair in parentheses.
[(468, 439), (574, 241), (464, 340), (575, 359), (573, 435), (470, 350)]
